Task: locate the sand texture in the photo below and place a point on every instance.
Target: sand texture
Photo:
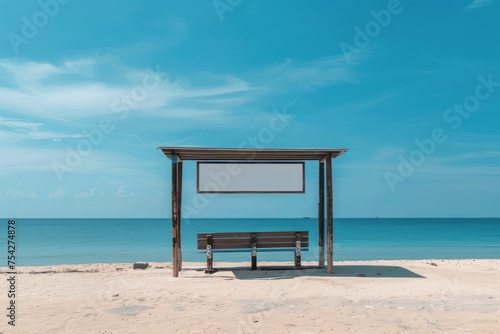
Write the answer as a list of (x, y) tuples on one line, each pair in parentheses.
[(424, 296)]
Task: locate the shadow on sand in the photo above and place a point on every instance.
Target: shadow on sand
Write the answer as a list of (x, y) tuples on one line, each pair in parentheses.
[(361, 271)]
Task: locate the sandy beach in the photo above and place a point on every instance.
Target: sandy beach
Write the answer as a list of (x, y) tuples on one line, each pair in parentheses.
[(424, 296)]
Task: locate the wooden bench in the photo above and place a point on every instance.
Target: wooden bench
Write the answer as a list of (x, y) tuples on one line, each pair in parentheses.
[(252, 242)]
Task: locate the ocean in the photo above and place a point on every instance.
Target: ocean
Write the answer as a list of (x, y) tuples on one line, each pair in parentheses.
[(77, 241)]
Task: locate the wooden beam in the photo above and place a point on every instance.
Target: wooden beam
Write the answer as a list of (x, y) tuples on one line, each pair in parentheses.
[(205, 153), (329, 209), (179, 204), (321, 215), (175, 218)]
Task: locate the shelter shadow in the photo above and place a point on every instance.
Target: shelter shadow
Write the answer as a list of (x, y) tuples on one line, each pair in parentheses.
[(361, 271)]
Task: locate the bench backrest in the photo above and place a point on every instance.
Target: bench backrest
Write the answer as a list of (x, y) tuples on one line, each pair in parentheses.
[(263, 239)]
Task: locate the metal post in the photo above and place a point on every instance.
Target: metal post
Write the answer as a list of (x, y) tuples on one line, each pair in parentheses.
[(298, 238), (175, 218), (254, 251), (321, 214), (210, 267), (179, 204), (329, 209)]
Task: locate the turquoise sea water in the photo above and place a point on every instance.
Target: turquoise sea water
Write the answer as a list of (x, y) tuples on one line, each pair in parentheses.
[(74, 241)]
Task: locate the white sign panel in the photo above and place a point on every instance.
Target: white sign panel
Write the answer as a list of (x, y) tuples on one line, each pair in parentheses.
[(250, 177)]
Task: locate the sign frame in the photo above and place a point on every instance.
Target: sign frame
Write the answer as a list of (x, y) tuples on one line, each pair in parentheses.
[(221, 191)]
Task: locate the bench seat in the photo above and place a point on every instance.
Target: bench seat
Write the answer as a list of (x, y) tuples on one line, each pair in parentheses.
[(252, 242)]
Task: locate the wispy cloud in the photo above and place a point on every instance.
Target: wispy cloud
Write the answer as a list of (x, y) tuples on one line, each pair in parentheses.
[(70, 90), (189, 113), (19, 194), (471, 156), (384, 153), (37, 135), (59, 193), (28, 74), (482, 163), (83, 87), (352, 108), (28, 158), (59, 101), (19, 124), (293, 74), (478, 4), (19, 129), (122, 192), (86, 194), (454, 171), (477, 142)]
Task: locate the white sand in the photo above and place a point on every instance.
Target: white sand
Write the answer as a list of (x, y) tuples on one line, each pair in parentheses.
[(456, 296)]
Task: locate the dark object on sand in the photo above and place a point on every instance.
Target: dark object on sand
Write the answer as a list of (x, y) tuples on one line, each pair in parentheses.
[(140, 265)]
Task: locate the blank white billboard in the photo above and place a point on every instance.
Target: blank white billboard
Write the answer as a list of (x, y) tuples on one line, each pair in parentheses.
[(250, 177)]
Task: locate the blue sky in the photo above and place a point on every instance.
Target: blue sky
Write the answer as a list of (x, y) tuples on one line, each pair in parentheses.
[(89, 90)]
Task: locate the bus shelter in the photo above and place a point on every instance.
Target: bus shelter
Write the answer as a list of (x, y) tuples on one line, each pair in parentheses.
[(208, 158)]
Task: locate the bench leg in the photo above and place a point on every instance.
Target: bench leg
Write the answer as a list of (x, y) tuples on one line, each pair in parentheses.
[(297, 250), (210, 269), (254, 252)]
